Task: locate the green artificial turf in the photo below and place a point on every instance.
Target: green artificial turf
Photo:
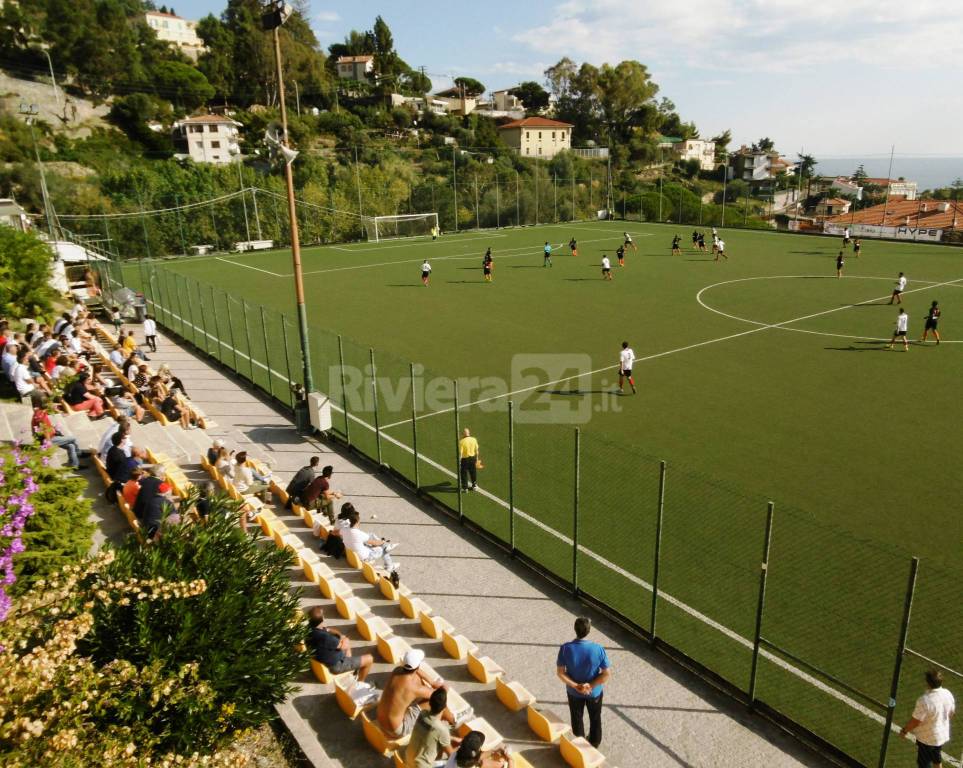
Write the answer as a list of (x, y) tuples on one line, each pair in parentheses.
[(760, 378)]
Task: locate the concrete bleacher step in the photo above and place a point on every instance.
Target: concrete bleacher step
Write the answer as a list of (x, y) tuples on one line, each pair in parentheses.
[(87, 432), (14, 422), (159, 439)]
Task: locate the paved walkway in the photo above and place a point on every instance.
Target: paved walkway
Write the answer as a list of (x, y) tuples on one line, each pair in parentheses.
[(656, 713)]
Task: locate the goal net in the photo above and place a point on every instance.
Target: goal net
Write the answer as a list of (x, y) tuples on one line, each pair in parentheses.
[(380, 228)]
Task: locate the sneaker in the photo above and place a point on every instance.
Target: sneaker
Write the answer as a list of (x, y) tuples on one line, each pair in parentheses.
[(362, 686), (394, 578), (474, 487), (81, 467), (390, 546)]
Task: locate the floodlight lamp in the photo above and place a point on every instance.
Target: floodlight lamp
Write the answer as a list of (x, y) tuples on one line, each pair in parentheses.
[(275, 14)]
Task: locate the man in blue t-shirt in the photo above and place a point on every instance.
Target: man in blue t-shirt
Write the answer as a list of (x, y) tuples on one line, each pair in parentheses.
[(584, 668)]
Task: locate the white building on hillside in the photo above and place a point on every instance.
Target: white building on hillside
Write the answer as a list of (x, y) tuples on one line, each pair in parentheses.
[(358, 68), (208, 138), (537, 136), (176, 31), (696, 149), (13, 215)]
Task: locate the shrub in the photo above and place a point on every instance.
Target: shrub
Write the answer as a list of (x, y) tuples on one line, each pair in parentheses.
[(24, 274), (242, 635)]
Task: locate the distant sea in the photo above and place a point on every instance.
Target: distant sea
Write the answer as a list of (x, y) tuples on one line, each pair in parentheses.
[(927, 172)]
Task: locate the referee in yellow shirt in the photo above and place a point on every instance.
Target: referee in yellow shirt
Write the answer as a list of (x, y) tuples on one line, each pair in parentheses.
[(469, 455)]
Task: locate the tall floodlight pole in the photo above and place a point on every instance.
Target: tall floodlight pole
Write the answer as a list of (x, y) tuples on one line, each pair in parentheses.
[(725, 178), (275, 15), (30, 112)]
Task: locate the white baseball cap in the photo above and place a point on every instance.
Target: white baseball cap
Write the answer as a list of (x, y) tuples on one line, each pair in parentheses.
[(413, 658)]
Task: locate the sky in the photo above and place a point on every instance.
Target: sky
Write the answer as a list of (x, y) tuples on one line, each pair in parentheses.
[(828, 78)]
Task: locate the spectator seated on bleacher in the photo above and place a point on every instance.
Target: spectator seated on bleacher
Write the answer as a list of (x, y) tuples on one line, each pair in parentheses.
[(120, 465), (131, 348), (44, 429), (405, 696), (301, 480), (116, 356), (431, 737), (80, 396), (173, 409), (169, 380), (203, 504), (213, 452), (368, 547), (159, 509), (247, 480), (132, 487), (150, 483), (333, 649), (225, 462), (122, 425), (471, 755), (320, 495)]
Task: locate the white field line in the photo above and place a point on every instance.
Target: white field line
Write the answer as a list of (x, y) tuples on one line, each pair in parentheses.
[(508, 253), (729, 633), (419, 240), (248, 266), (759, 327), (927, 284)]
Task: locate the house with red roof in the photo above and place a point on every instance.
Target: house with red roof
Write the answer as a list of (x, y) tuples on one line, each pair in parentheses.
[(537, 136)]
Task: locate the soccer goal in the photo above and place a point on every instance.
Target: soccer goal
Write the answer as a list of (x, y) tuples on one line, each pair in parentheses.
[(380, 228)]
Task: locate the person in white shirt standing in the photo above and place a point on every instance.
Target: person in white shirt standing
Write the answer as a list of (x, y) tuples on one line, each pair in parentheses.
[(898, 290), (626, 360), (425, 273), (150, 332), (720, 249), (930, 722), (902, 330), (368, 547), (606, 268)]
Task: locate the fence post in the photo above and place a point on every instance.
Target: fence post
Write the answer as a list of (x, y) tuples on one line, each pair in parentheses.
[(344, 394), (761, 605), (267, 354), (247, 338), (898, 665), (203, 322), (575, 490), (287, 356), (511, 475), (374, 392), (185, 324), (217, 328), (658, 551), (458, 484), (414, 425), (230, 327)]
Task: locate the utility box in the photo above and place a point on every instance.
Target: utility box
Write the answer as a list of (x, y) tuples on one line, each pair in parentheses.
[(319, 409)]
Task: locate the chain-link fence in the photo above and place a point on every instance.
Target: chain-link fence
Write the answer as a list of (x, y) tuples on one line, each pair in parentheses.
[(797, 615)]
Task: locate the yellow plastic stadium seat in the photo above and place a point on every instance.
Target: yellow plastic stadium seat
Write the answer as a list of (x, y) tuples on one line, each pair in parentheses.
[(309, 560), (102, 470), (332, 586), (392, 648), (353, 560), (457, 646), (349, 606), (433, 626), (388, 589), (513, 695), (546, 724), (483, 668), (370, 626), (205, 464), (293, 542), (278, 491), (380, 740), (267, 519), (578, 753), (304, 513), (369, 573), (412, 606), (280, 531), (315, 570), (493, 739), (324, 674), (342, 695), (519, 761)]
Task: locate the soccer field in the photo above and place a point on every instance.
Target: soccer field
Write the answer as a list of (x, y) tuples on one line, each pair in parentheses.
[(760, 378)]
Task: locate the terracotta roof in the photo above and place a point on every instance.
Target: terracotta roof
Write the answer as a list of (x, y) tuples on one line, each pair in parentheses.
[(834, 201), (898, 209), (354, 59), (535, 122)]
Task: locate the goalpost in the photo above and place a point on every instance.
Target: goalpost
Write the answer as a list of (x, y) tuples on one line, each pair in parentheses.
[(380, 228)]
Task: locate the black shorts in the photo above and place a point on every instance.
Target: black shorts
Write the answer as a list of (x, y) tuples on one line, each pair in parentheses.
[(896, 291), (901, 333), (606, 270), (931, 325), (488, 270), (627, 373), (425, 274), (927, 755)]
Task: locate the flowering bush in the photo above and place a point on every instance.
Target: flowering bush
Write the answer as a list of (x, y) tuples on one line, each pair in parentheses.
[(61, 709), (44, 521), (241, 636)]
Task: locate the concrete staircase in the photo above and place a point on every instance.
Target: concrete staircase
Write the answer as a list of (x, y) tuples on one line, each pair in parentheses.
[(15, 422)]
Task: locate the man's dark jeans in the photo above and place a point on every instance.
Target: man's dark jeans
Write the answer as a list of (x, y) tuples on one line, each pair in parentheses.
[(576, 708), (469, 472)]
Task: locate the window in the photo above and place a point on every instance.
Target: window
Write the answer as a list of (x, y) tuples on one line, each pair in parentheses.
[(539, 149), (539, 135), (199, 144), (215, 145), (553, 135), (196, 128), (526, 135), (212, 129), (216, 157), (528, 150)]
